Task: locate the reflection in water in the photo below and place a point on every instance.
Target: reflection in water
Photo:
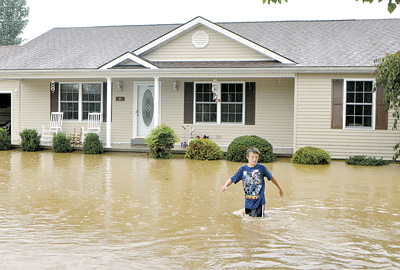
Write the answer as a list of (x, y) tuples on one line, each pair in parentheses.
[(127, 211)]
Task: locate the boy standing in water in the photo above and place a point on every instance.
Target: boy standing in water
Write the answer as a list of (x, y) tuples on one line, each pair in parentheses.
[(252, 176)]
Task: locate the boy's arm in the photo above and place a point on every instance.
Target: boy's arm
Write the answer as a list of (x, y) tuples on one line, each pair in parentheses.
[(273, 180), (227, 184)]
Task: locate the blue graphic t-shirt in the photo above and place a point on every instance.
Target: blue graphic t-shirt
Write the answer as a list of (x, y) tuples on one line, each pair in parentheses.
[(253, 184)]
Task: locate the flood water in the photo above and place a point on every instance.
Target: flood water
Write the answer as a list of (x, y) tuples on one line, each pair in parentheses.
[(127, 211)]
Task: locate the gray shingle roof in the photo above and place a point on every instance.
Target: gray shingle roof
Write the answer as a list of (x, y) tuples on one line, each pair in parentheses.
[(308, 43), (325, 43)]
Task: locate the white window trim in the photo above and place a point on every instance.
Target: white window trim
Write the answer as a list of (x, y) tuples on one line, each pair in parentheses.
[(219, 104), (80, 104), (345, 105)]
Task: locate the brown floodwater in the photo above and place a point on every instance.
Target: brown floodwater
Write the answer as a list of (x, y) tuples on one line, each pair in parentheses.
[(127, 211)]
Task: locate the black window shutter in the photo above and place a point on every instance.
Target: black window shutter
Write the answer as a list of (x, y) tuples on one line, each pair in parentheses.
[(105, 102), (337, 104), (54, 97), (188, 103), (381, 113), (250, 107)]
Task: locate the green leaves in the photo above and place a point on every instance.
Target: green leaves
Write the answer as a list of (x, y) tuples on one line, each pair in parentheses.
[(238, 147), (161, 140), (391, 5), (366, 161), (92, 144), (273, 1), (311, 155), (5, 140), (12, 21), (203, 149), (387, 74), (61, 143), (30, 140)]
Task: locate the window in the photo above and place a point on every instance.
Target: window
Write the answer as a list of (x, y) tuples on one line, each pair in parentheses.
[(206, 108), (78, 99), (91, 98), (69, 100), (231, 103), (359, 103), (229, 110)]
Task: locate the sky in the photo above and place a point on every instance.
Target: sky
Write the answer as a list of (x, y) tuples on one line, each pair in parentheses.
[(47, 14)]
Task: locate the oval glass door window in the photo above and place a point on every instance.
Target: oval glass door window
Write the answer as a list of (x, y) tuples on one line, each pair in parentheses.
[(147, 107)]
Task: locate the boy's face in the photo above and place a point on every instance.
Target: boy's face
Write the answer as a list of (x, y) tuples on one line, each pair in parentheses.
[(252, 158)]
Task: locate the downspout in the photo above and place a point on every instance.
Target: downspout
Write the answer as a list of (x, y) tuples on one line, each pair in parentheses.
[(295, 114), (109, 99)]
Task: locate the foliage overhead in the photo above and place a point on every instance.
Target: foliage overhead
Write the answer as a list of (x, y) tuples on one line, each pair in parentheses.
[(392, 4), (13, 14), (387, 75)]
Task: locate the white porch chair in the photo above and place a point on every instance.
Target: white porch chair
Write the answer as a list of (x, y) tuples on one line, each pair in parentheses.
[(94, 124), (56, 120)]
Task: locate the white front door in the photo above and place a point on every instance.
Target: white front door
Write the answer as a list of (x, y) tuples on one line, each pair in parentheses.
[(145, 109)]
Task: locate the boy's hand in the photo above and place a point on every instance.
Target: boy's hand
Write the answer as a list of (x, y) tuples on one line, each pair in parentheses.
[(227, 184), (281, 193)]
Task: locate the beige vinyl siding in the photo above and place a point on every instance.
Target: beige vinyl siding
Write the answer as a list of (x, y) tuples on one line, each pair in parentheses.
[(34, 104), (35, 107), (274, 114), (122, 114), (313, 122), (220, 48), (11, 87)]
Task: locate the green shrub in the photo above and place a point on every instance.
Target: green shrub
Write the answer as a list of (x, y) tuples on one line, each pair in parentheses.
[(238, 148), (61, 143), (160, 141), (311, 156), (396, 149), (5, 140), (92, 144), (30, 140), (203, 149), (366, 161)]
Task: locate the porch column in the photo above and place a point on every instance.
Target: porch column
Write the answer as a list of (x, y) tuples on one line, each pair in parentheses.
[(156, 101), (109, 99)]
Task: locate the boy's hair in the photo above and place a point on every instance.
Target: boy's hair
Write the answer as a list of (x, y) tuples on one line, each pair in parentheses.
[(254, 150)]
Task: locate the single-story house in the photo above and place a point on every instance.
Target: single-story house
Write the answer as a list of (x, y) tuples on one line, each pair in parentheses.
[(294, 83)]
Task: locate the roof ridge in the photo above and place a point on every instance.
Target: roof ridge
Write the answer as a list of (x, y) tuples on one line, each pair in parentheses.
[(332, 20), (220, 23), (111, 26)]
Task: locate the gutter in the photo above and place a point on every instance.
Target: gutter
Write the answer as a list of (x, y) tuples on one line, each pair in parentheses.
[(179, 72)]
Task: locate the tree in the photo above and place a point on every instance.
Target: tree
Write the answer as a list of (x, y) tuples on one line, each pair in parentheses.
[(387, 75), (392, 4), (12, 21)]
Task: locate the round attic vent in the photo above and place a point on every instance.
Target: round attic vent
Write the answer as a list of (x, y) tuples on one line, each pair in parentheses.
[(200, 39)]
